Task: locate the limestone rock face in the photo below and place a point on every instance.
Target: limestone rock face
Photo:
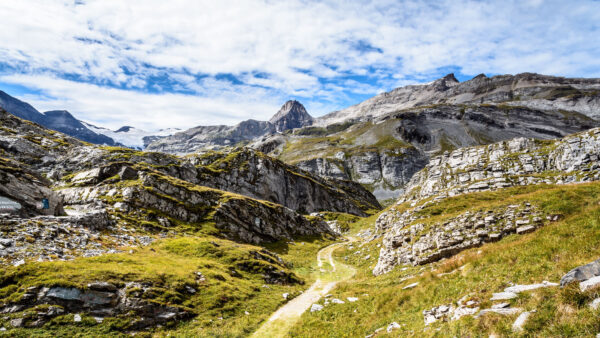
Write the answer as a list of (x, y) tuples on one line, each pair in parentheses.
[(253, 174), (515, 162), (29, 190), (385, 171), (409, 241)]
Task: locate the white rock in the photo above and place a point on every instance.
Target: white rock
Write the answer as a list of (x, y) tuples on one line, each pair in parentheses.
[(589, 284), (246, 313), (503, 296), (19, 262), (500, 306), (99, 320), (430, 319), (77, 318), (2, 329), (393, 326), (410, 286), (337, 301), (521, 288), (316, 307), (464, 311), (520, 321), (352, 299), (595, 304), (505, 311), (286, 295)]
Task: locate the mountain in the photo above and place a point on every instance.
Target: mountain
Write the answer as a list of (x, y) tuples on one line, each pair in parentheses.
[(19, 108), (198, 219), (291, 115), (59, 120), (491, 228), (132, 137), (531, 90), (384, 140)]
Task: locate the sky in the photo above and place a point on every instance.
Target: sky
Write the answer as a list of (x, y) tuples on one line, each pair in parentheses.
[(182, 63)]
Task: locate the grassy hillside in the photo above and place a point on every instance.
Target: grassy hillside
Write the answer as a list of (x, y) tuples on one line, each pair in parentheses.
[(311, 142), (232, 300), (546, 254)]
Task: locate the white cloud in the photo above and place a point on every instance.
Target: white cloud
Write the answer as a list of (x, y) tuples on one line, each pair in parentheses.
[(114, 108), (281, 49)]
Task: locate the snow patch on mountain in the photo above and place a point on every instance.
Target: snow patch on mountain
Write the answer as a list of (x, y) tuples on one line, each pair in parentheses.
[(130, 136)]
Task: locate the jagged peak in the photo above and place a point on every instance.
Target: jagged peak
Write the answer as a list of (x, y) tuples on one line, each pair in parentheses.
[(450, 77), (291, 115)]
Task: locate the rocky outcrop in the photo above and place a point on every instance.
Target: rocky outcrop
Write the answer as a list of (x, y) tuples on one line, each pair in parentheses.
[(292, 115), (99, 299), (237, 217), (519, 161), (27, 192), (581, 273), (385, 171), (409, 240), (47, 238), (254, 174)]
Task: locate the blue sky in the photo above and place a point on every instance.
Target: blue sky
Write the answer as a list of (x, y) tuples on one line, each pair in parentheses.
[(159, 64)]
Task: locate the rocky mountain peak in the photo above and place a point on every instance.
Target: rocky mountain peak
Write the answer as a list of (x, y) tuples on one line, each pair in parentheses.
[(124, 129), (291, 115), (446, 82)]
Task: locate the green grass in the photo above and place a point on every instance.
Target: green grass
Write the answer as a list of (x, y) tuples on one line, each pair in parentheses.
[(168, 266), (546, 254), (351, 139)]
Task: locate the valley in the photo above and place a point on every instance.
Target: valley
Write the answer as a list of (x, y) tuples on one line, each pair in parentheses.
[(442, 209)]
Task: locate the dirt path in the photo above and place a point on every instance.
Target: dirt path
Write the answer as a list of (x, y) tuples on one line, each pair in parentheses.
[(286, 316)]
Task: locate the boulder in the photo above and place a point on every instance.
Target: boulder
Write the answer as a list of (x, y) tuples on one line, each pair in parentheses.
[(581, 273)]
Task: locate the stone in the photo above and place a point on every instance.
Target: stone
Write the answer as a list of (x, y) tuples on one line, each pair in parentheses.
[(500, 306), (521, 288), (520, 321), (504, 296), (286, 295), (502, 311), (6, 242), (102, 286), (316, 307), (581, 273), (525, 229), (18, 322), (410, 286), (595, 304), (77, 318), (393, 326), (462, 311), (337, 301), (19, 262), (589, 284), (352, 299)]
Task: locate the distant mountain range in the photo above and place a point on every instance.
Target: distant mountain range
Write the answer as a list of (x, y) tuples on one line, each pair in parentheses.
[(65, 122), (526, 90), (292, 115)]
